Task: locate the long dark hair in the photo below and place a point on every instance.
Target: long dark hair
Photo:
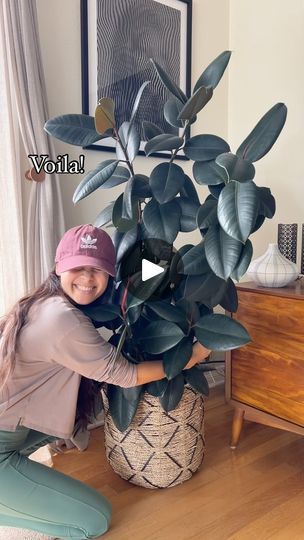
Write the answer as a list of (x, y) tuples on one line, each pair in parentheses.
[(12, 323), (10, 328)]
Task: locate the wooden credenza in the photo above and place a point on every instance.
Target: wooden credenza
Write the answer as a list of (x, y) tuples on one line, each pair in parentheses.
[(265, 379)]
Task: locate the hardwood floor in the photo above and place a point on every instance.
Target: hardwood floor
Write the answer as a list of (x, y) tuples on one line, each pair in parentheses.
[(255, 492)]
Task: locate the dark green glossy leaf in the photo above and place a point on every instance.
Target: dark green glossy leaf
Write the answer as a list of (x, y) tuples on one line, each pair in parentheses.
[(120, 176), (188, 214), (222, 251), (191, 309), (258, 223), (173, 393), (121, 224), (141, 187), (144, 233), (162, 220), (176, 260), (183, 249), (207, 214), (103, 312), (176, 358), (128, 241), (76, 129), (238, 209), (172, 87), (166, 180), (216, 190), (134, 313), (209, 173), (144, 289), (243, 262), (163, 142), (194, 262), (159, 336), (122, 410), (204, 310), (230, 298), (94, 179), (105, 216), (130, 140), (116, 238), (267, 204), (188, 190), (168, 311), (215, 298), (128, 200), (132, 394), (150, 130), (172, 108), (178, 292), (137, 102), (212, 75), (206, 288), (196, 103), (197, 380), (236, 167), (264, 135), (205, 147), (155, 249), (220, 333), (157, 388)]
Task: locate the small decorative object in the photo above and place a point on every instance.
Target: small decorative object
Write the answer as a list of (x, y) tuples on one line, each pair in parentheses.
[(172, 444), (272, 269), (287, 240), (302, 254)]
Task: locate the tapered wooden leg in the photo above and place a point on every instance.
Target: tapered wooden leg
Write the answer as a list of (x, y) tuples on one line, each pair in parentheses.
[(237, 425)]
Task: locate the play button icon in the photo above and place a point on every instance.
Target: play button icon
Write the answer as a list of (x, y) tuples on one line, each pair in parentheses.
[(149, 270)]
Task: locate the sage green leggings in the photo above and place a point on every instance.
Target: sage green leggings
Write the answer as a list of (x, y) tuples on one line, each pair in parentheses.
[(36, 497)]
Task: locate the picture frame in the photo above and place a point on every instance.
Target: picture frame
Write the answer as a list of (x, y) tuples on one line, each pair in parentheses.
[(116, 66)]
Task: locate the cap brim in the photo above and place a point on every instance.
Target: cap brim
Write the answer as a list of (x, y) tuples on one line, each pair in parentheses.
[(82, 260)]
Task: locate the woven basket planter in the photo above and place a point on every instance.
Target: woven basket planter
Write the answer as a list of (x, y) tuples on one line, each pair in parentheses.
[(159, 449)]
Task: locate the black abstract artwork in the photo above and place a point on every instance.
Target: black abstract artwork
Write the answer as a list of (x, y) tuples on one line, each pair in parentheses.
[(118, 39)]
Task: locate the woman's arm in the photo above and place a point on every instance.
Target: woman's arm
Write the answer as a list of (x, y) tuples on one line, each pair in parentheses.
[(154, 371)]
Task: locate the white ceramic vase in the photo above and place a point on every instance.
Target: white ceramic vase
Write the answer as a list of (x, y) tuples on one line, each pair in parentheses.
[(272, 269)]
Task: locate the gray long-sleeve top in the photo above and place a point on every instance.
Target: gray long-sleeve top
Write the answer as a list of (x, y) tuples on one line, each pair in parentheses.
[(56, 346)]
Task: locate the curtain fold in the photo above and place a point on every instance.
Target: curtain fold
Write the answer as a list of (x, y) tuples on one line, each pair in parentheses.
[(12, 262), (45, 224)]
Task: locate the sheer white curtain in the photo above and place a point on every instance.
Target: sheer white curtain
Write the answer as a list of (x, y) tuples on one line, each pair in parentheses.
[(12, 267), (45, 212)]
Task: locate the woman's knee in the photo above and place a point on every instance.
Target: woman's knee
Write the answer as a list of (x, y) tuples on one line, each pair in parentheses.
[(98, 521)]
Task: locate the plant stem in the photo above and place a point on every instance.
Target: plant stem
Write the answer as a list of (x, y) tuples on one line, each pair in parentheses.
[(124, 299), (124, 149), (183, 136)]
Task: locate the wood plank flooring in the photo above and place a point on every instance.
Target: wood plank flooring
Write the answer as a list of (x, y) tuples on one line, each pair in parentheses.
[(255, 492)]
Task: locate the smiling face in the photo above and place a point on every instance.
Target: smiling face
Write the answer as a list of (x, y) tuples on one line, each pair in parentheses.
[(84, 284)]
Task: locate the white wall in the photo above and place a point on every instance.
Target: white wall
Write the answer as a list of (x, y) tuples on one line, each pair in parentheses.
[(61, 59), (267, 66)]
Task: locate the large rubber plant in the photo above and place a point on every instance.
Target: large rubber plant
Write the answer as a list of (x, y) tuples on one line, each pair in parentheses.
[(160, 206)]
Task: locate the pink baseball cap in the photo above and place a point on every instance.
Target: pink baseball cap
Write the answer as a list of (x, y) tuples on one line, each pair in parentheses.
[(86, 245)]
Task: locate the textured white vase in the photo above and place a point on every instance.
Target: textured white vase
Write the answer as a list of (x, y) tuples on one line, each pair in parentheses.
[(272, 269)]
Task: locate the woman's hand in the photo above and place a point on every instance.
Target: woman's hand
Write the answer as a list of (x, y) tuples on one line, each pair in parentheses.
[(199, 353)]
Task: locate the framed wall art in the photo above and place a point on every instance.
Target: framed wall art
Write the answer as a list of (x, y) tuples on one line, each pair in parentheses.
[(118, 38)]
